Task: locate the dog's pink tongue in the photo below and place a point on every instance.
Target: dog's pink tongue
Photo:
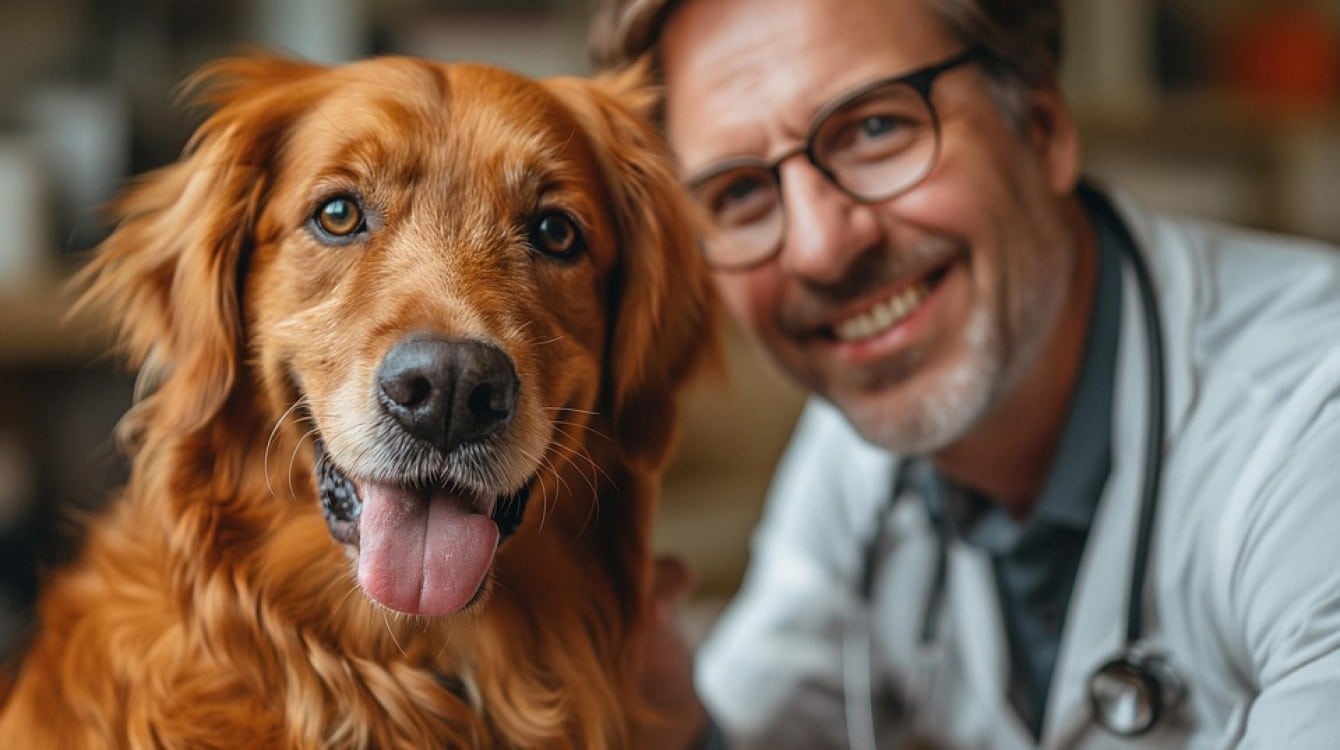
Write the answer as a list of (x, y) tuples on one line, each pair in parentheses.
[(422, 556)]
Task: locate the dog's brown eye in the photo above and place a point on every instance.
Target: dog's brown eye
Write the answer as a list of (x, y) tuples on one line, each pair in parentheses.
[(339, 217), (555, 233)]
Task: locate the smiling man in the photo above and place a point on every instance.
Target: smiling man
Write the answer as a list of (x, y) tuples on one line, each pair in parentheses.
[(1067, 475)]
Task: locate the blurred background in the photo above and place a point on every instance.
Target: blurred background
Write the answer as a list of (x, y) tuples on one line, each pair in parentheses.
[(1224, 108)]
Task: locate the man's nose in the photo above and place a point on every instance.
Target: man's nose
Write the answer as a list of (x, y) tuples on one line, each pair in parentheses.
[(826, 229)]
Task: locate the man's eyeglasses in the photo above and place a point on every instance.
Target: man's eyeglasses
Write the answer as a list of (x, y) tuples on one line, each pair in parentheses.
[(873, 143)]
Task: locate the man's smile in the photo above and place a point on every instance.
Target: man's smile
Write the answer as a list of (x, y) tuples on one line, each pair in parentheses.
[(886, 313)]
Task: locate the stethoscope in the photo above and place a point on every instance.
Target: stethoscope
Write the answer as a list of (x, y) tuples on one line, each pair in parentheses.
[(1132, 691)]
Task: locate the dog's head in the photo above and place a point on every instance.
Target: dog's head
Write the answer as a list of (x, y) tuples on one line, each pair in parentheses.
[(447, 278)]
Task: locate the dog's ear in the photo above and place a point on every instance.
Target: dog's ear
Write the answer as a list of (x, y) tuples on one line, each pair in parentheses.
[(664, 306), (168, 277)]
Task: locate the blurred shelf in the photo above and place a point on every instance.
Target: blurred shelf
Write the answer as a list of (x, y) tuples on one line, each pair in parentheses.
[(1265, 164), (1206, 117), (37, 330)]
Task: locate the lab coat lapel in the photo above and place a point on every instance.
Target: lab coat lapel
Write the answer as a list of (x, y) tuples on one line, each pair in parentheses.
[(1096, 619), (979, 636), (1166, 253)]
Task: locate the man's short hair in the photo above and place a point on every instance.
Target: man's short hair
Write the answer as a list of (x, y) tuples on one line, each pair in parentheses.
[(1022, 39)]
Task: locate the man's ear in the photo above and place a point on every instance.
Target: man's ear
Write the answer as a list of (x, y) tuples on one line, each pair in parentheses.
[(1055, 138), (665, 308)]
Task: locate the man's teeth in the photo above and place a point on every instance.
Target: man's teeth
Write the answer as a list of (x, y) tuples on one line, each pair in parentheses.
[(883, 316)]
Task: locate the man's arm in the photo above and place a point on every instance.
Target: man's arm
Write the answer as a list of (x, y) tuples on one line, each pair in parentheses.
[(1285, 594), (771, 672)]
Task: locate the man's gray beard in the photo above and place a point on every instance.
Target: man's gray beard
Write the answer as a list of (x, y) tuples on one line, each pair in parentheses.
[(956, 399), (1000, 350)]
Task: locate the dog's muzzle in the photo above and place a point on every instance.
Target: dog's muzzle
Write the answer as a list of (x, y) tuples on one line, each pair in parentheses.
[(342, 507)]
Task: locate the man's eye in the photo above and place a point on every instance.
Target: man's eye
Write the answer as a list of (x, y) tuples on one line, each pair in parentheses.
[(742, 199), (875, 126), (870, 133), (741, 189)]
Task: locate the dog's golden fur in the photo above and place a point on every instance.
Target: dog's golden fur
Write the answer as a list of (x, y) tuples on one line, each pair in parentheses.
[(211, 607)]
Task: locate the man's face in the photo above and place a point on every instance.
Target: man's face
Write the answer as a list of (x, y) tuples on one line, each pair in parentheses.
[(914, 315)]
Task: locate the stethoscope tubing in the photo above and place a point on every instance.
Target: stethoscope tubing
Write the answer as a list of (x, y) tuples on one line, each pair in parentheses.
[(1156, 416)]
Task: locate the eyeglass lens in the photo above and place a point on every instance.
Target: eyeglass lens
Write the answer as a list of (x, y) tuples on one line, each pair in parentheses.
[(873, 147)]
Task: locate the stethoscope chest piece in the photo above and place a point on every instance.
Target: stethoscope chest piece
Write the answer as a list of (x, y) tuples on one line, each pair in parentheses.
[(1130, 694)]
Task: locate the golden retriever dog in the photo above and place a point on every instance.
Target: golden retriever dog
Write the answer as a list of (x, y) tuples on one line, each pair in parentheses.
[(410, 337)]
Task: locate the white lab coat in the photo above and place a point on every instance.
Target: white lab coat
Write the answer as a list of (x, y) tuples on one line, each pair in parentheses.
[(1244, 585)]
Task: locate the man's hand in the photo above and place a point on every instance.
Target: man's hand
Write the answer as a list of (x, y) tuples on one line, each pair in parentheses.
[(666, 674)]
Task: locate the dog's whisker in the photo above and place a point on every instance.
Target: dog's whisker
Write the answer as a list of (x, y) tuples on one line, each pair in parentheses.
[(545, 505), (293, 459), (588, 428), (520, 331), (391, 632), (548, 341), (560, 427), (352, 589), (572, 409), (559, 486), (546, 464), (570, 455), (269, 444), (583, 454), (592, 517), (446, 644)]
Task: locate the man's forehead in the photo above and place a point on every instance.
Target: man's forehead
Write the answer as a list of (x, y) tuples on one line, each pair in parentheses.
[(769, 65)]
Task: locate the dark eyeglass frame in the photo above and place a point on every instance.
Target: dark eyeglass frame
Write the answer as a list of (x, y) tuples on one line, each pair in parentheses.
[(921, 80)]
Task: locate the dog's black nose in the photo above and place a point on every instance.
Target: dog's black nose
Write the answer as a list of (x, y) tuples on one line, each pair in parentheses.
[(447, 392)]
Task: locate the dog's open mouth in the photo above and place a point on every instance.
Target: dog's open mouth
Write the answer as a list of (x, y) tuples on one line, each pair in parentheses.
[(422, 550)]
